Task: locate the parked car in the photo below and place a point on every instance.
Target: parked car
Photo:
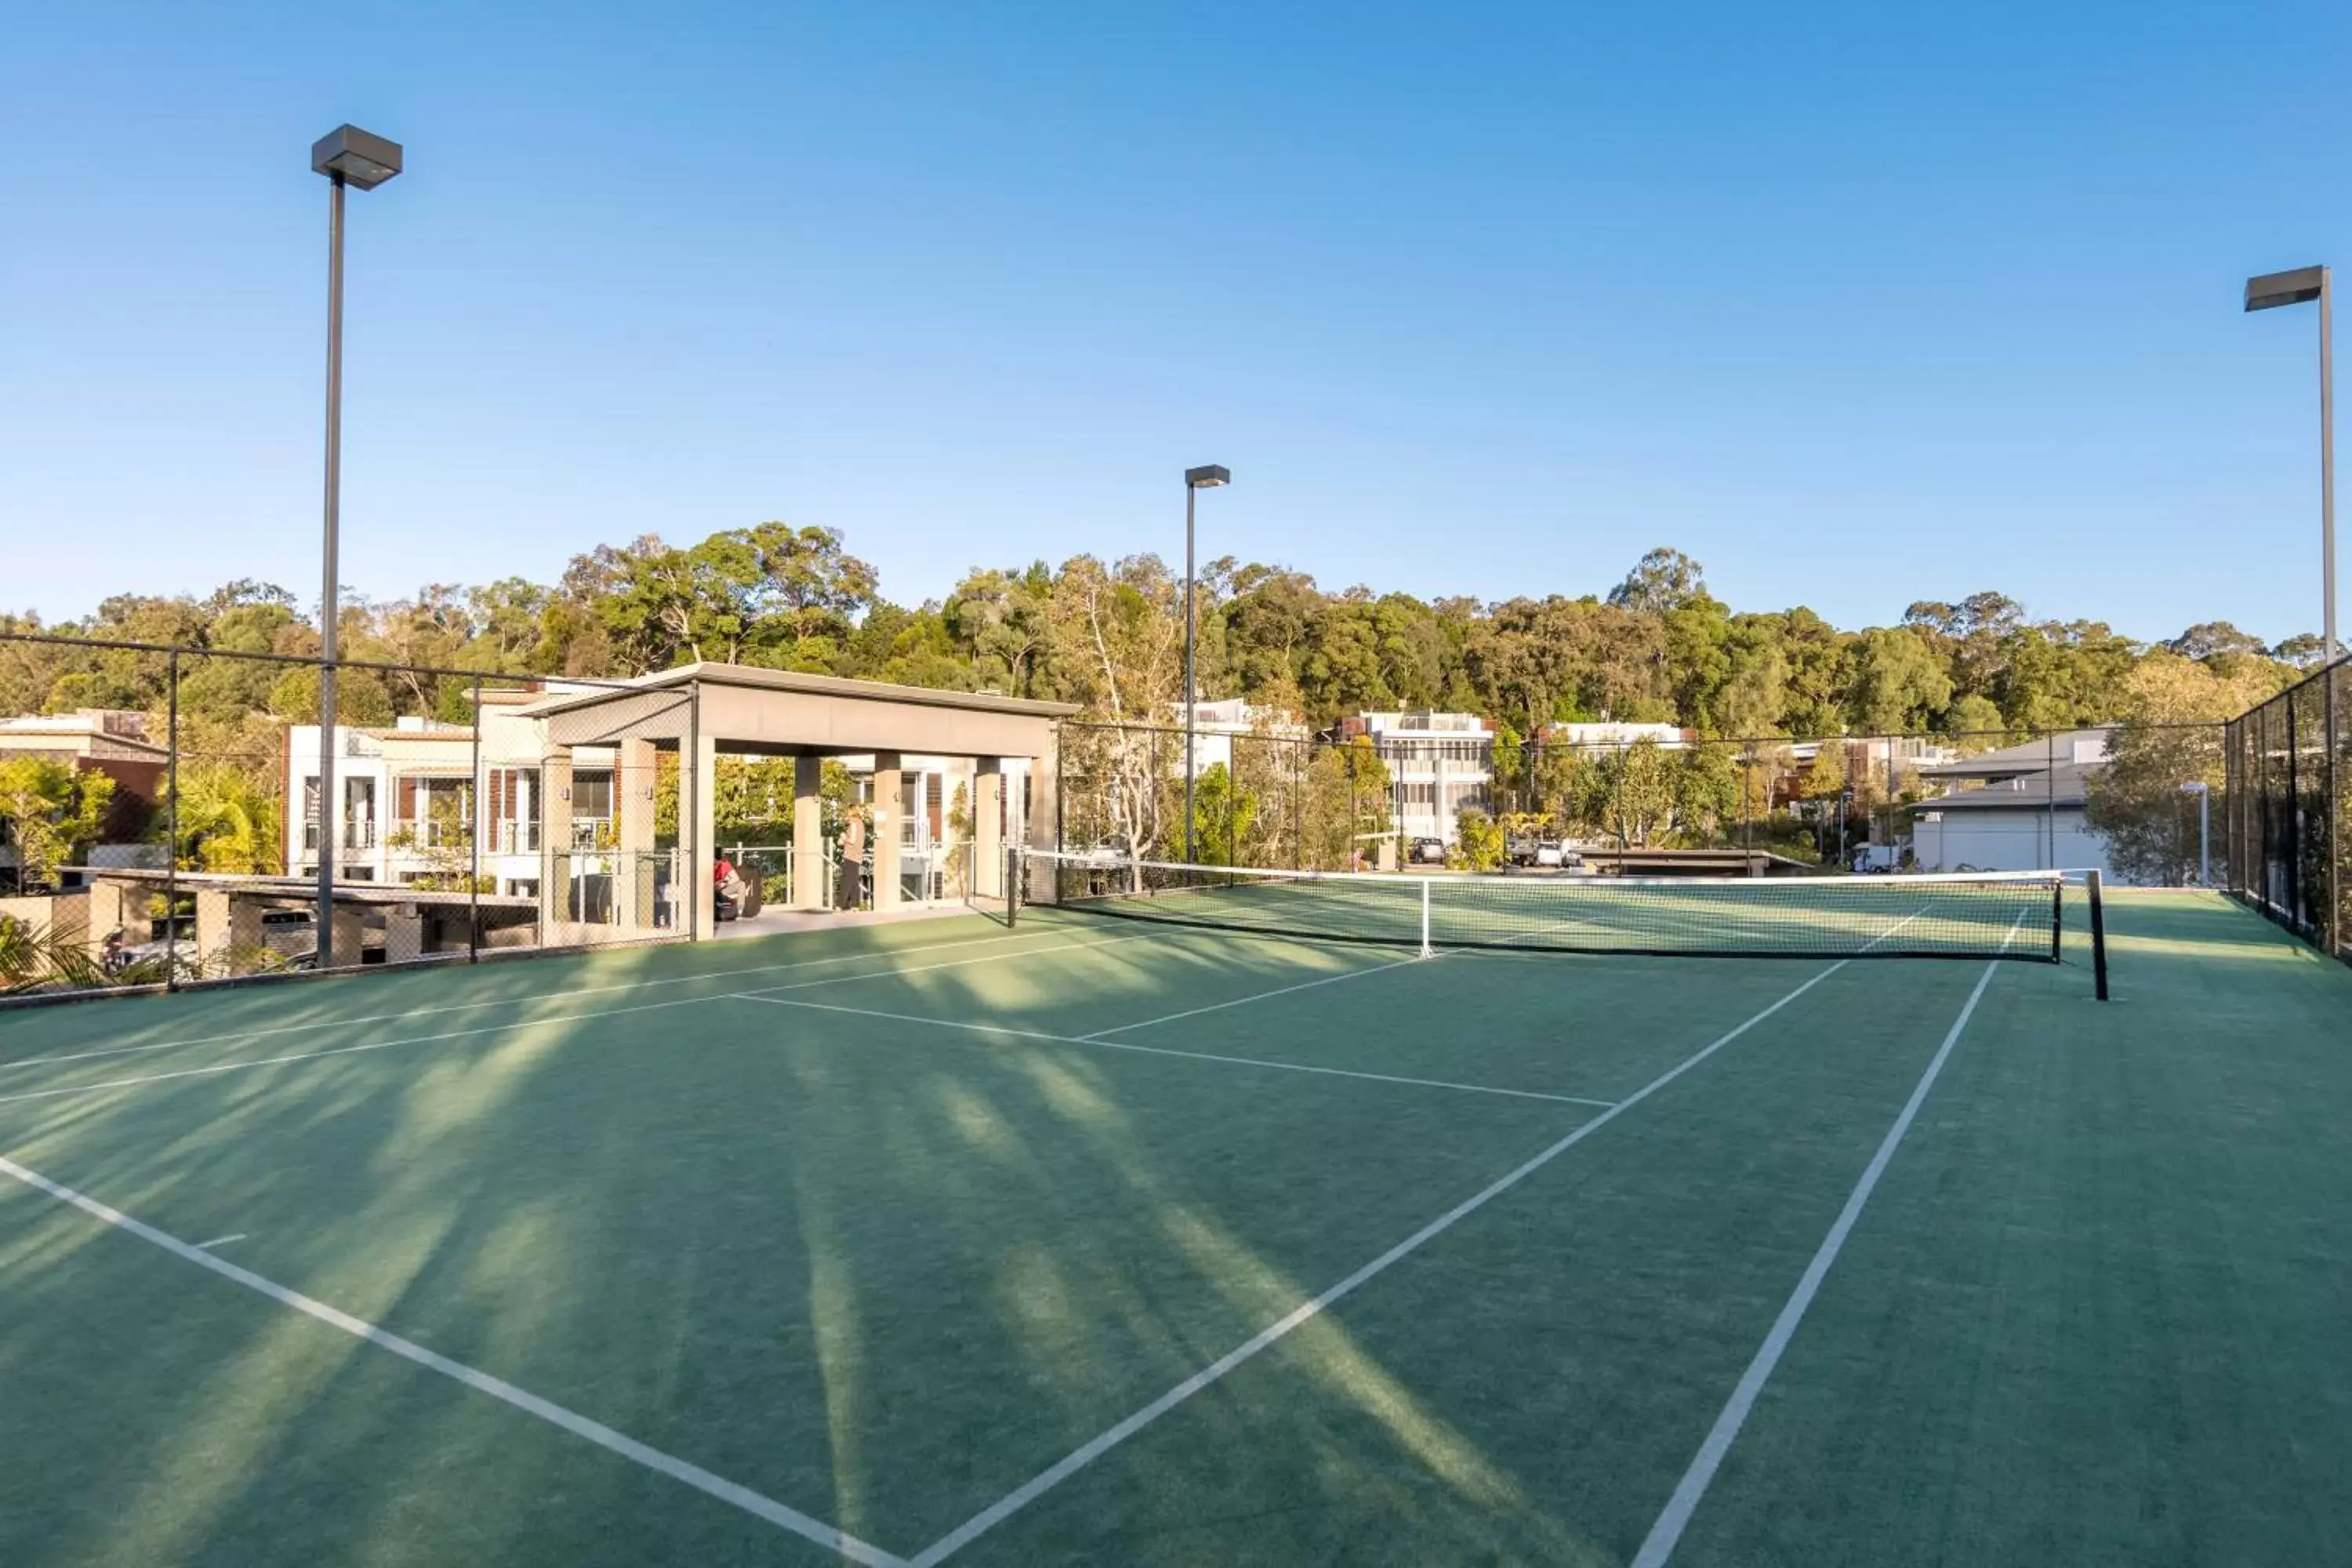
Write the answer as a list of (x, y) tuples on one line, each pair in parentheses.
[(1548, 852), (1112, 851), (1521, 848), (289, 931), (1427, 852)]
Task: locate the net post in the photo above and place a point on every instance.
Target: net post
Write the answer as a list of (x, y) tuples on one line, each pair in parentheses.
[(1012, 869), (2057, 919), (474, 793), (171, 828), (1425, 917), (2098, 939)]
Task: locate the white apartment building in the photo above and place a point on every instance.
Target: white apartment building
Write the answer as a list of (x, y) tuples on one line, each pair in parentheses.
[(1613, 735), (407, 793), (1216, 724), (1438, 764)]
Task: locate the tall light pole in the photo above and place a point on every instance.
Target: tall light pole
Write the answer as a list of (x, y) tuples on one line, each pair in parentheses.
[(1206, 478), (2267, 292), (347, 156), (2296, 287)]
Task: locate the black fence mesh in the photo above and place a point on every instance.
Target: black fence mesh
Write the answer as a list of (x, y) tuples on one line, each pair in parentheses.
[(2138, 800), (163, 823), (2282, 807)]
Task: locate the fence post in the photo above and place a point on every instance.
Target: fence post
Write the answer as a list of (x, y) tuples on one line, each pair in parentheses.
[(171, 828), (2050, 792), (2293, 818), (2327, 775), (2098, 940), (694, 867), (1298, 806), (474, 839)]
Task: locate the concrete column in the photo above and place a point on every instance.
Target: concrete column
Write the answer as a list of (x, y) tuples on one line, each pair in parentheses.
[(697, 827), (111, 904), (346, 936), (808, 834), (988, 828), (888, 825), (212, 925), (554, 841), (229, 931), (68, 916), (404, 933), (1039, 828), (632, 804)]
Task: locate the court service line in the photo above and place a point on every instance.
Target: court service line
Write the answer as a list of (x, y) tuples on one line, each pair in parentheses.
[(531, 996), (1090, 1040), (754, 1503), (517, 1024), (1260, 996), (1088, 1453), (1667, 1532)]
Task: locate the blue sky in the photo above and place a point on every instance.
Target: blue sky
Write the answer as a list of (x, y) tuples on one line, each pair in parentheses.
[(1857, 304)]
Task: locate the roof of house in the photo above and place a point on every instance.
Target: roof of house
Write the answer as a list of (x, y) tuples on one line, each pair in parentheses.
[(2067, 783), (2030, 757), (83, 735)]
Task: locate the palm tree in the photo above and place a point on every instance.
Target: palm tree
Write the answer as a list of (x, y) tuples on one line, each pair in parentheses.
[(228, 821)]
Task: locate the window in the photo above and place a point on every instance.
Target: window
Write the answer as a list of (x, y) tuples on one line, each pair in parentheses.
[(592, 794)]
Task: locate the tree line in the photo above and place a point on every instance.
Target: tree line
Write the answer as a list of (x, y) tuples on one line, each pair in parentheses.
[(1108, 635)]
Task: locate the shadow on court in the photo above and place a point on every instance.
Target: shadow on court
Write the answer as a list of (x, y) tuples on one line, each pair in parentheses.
[(886, 1272)]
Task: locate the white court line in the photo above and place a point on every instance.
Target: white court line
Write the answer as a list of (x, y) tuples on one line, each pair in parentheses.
[(517, 1001), (208, 1071), (1094, 1042), (512, 1025), (1079, 1459), (1260, 996), (1659, 1545), (579, 1425), (220, 1241)]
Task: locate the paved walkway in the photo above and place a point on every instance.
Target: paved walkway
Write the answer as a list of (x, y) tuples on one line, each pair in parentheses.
[(778, 922)]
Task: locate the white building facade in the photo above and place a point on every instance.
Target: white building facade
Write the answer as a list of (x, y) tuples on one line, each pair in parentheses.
[(1440, 764), (2017, 809), (1216, 725), (408, 792)]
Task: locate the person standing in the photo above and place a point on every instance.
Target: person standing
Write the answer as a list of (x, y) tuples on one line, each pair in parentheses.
[(852, 859)]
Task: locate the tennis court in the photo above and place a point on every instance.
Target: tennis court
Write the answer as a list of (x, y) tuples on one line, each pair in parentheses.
[(1118, 1241)]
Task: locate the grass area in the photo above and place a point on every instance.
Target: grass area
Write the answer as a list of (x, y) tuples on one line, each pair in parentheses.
[(882, 1227)]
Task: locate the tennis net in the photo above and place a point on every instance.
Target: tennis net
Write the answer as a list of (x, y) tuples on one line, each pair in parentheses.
[(1979, 915)]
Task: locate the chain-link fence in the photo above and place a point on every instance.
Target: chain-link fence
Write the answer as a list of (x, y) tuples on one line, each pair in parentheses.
[(176, 817), (169, 817), (1259, 798), (2286, 854), (2136, 800)]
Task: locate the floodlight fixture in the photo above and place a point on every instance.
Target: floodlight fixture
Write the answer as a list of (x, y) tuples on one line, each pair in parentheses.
[(357, 158)]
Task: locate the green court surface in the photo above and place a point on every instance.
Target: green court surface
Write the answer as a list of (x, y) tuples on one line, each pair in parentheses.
[(1100, 1242)]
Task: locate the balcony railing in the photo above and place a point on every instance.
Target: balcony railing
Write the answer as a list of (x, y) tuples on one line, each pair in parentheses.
[(356, 836), (514, 836)]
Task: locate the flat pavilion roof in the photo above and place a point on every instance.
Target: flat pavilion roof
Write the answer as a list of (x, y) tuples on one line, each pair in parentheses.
[(782, 711), (758, 678)]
